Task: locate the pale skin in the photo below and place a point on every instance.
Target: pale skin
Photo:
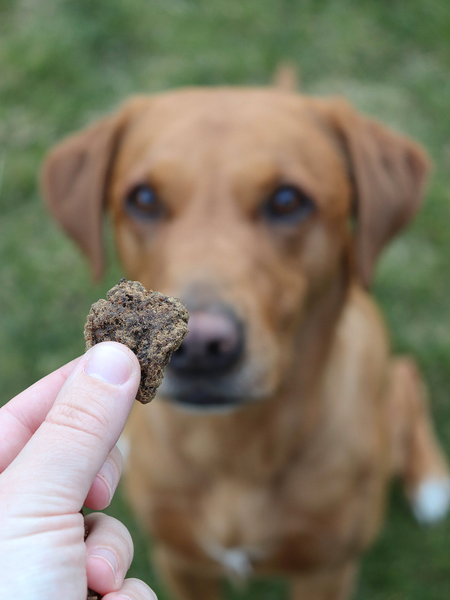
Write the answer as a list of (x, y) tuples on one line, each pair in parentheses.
[(57, 452)]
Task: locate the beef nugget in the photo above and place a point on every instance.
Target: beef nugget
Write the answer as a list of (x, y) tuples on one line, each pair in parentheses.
[(150, 324)]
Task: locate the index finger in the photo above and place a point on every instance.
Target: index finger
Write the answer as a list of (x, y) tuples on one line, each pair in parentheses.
[(21, 416), (58, 465)]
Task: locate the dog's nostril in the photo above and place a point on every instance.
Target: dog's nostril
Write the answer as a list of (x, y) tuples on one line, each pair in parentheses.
[(215, 348), (180, 350)]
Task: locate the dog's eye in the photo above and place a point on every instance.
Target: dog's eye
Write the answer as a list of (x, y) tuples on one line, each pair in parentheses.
[(143, 202), (287, 204)]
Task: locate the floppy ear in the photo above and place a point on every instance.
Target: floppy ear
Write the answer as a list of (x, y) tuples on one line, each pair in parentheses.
[(389, 173), (286, 77), (74, 180)]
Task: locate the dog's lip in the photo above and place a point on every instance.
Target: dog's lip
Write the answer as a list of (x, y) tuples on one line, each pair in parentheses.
[(198, 397), (198, 392), (208, 392)]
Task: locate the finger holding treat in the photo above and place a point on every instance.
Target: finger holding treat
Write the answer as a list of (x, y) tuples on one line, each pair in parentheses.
[(57, 437)]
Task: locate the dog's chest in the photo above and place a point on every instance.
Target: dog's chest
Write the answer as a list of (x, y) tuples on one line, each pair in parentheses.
[(248, 529), (295, 524), (237, 526), (234, 513)]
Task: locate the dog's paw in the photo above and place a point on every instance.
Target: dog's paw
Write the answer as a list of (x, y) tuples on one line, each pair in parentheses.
[(431, 501)]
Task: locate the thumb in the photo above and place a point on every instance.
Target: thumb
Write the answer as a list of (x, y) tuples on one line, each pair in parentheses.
[(54, 472)]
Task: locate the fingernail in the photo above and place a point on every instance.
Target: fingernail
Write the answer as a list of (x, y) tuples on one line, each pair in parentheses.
[(109, 363), (108, 475), (107, 556)]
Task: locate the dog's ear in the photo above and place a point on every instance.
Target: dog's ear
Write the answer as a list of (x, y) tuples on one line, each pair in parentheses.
[(389, 173), (286, 77), (74, 180)]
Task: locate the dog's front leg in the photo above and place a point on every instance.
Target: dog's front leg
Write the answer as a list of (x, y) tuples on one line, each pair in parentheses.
[(336, 584), (184, 584)]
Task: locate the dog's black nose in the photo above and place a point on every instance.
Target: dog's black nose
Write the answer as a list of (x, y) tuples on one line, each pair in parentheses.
[(213, 345)]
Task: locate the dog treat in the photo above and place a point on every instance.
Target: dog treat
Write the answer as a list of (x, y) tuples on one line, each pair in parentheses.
[(150, 324)]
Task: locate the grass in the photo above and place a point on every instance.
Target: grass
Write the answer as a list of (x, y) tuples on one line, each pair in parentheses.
[(65, 62)]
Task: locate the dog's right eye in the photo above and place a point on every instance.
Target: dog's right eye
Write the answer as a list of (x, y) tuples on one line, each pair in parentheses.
[(143, 202), (287, 205)]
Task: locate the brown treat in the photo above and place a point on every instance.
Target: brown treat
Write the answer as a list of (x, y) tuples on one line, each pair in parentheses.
[(150, 324)]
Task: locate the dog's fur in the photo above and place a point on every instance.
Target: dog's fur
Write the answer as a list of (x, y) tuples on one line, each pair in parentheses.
[(292, 478)]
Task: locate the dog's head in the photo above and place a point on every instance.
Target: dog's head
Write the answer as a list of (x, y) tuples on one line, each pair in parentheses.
[(247, 205)]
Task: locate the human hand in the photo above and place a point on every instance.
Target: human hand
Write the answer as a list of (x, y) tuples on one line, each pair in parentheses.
[(57, 452)]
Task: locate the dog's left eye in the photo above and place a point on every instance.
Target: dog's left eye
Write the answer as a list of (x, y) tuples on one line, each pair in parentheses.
[(287, 204), (143, 202)]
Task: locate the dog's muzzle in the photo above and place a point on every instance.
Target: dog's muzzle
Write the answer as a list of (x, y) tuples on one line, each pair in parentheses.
[(201, 370)]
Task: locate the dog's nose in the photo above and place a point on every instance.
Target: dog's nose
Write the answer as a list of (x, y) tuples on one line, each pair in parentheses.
[(213, 345)]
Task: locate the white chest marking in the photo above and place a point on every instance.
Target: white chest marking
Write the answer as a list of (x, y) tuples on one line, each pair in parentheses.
[(237, 562)]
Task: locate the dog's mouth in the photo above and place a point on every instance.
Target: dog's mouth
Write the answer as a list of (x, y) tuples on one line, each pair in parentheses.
[(199, 394), (215, 368)]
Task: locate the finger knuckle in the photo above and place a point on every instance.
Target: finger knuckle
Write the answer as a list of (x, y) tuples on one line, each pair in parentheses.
[(140, 590), (82, 413)]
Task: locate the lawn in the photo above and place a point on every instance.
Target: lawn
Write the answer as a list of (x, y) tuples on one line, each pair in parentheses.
[(65, 62)]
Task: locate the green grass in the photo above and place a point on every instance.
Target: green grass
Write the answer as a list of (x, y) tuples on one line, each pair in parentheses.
[(65, 62)]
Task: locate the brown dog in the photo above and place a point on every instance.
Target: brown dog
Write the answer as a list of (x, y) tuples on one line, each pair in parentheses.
[(283, 417)]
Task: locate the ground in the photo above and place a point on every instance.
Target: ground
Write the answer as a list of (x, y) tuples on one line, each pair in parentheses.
[(65, 62)]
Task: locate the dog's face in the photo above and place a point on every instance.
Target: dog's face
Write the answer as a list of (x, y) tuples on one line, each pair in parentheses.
[(239, 203)]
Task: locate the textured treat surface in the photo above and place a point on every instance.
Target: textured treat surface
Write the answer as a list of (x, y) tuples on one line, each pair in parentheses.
[(150, 324), (93, 595)]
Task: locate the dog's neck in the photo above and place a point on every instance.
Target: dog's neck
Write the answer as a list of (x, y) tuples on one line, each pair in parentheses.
[(264, 435)]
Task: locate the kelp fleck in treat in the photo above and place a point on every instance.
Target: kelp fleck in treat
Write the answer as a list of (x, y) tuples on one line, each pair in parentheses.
[(150, 324)]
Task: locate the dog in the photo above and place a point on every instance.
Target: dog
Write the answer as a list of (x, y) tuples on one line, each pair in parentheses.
[(283, 416)]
